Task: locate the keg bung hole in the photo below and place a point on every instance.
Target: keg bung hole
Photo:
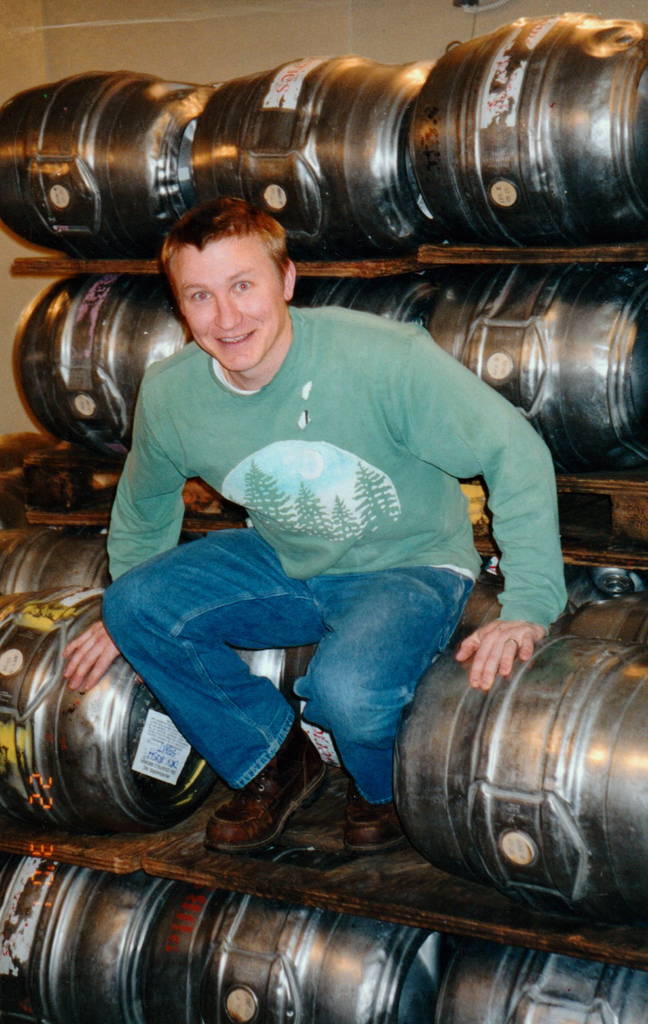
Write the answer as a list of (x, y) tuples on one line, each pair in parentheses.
[(518, 847), (241, 1005)]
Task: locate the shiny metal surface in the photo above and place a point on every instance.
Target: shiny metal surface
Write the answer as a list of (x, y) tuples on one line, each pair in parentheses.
[(98, 164), (486, 983), (601, 582), (622, 618), (67, 758), (538, 786), (74, 943), (82, 348), (567, 345), (37, 558), (537, 133), (87, 947), (321, 144), (283, 964), (404, 297)]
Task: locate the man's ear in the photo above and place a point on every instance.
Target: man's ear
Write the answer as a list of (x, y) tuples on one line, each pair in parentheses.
[(290, 276)]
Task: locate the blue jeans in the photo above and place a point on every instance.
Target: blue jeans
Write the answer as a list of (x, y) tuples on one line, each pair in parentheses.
[(176, 618)]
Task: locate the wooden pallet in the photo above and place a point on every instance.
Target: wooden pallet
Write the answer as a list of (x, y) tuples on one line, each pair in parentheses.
[(315, 870)]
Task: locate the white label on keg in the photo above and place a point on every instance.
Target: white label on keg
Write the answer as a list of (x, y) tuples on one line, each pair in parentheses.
[(499, 366), (84, 404), (285, 87), (79, 596), (275, 197), (321, 740), (11, 661), (241, 1005), (503, 193), (162, 751), (60, 196), (518, 847)]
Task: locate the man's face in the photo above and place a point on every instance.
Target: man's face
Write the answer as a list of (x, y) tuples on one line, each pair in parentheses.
[(234, 299)]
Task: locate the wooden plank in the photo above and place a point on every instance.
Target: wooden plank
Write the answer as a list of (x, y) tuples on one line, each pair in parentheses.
[(398, 886), (631, 252), (61, 265)]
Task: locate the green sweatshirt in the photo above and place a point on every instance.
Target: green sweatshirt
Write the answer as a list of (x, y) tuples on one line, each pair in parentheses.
[(347, 461)]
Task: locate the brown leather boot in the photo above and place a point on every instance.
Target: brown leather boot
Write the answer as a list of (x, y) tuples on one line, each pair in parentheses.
[(257, 813), (370, 828)]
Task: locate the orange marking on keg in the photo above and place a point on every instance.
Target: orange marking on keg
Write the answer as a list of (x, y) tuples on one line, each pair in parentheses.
[(36, 781)]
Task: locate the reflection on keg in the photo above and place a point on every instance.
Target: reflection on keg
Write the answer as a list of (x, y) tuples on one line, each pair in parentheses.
[(537, 786), (151, 951), (485, 983), (108, 760), (536, 133), (98, 164), (37, 558)]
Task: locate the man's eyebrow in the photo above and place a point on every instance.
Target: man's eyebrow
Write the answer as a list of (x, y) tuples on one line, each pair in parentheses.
[(243, 272)]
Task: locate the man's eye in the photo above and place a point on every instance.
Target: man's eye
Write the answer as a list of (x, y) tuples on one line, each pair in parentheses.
[(243, 286), (199, 296)]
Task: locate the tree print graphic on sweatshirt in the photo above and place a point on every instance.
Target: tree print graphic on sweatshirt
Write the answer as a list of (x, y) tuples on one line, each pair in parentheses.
[(315, 488)]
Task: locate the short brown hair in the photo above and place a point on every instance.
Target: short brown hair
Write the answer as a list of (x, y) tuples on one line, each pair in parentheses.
[(222, 218)]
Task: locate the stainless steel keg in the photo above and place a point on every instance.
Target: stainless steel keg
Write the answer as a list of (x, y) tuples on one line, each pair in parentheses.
[(405, 297), (537, 786), (82, 348), (255, 960), (108, 760), (601, 582), (321, 144), (536, 133), (485, 983), (81, 946), (74, 943), (98, 164), (622, 618), (567, 345), (37, 558)]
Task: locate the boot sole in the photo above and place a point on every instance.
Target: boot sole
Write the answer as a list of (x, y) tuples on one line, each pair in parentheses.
[(306, 797), (391, 844)]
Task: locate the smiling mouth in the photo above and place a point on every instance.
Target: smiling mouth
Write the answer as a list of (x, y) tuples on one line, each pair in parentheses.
[(235, 340)]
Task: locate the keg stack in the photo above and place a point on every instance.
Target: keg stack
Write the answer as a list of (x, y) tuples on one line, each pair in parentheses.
[(419, 192)]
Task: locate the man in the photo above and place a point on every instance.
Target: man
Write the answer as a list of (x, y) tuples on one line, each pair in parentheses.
[(344, 436)]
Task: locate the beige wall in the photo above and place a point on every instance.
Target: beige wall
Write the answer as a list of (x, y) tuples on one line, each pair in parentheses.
[(210, 41)]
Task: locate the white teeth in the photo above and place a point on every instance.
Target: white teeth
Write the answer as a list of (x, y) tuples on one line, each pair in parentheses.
[(240, 337)]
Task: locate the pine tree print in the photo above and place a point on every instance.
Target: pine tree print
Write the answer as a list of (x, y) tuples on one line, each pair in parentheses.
[(374, 498), (311, 515), (343, 523), (264, 496)]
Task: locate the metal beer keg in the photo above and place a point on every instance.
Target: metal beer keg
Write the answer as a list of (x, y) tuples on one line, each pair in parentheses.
[(537, 786), (257, 960), (82, 946), (403, 297), (108, 760), (98, 164), (75, 944), (622, 618), (37, 558), (485, 983), (567, 345), (601, 582), (536, 133), (82, 348), (321, 145)]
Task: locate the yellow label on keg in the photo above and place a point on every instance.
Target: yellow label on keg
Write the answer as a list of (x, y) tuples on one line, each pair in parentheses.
[(44, 616)]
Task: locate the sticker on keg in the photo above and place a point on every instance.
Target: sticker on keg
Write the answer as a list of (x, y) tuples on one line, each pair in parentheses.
[(84, 404), (11, 661), (285, 87), (44, 616), (275, 197), (241, 1005), (503, 193), (321, 740), (60, 196), (162, 751), (518, 847), (499, 366)]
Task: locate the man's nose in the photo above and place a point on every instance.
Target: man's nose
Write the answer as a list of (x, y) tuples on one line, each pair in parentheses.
[(226, 312)]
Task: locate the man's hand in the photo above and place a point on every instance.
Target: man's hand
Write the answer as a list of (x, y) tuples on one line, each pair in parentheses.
[(88, 657), (495, 647)]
